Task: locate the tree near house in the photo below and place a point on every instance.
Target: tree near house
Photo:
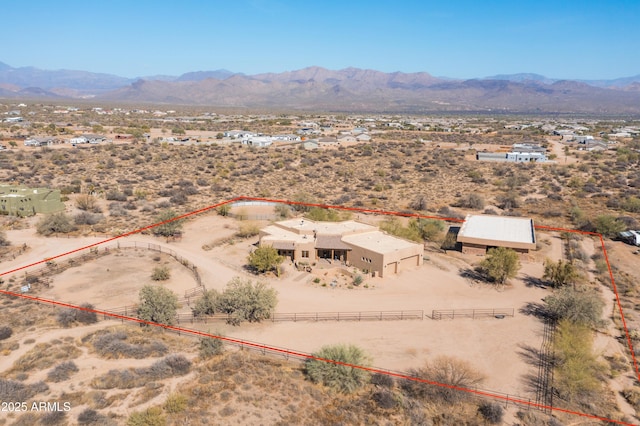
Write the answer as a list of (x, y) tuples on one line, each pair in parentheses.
[(500, 264), (264, 259)]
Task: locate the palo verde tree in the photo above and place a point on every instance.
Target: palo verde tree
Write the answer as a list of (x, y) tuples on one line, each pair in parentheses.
[(244, 301), (169, 225), (157, 304), (264, 259), (561, 273), (501, 264)]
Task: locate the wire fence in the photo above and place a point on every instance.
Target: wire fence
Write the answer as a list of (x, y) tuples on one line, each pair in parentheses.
[(439, 314)]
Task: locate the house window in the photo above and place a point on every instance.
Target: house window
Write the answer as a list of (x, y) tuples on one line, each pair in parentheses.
[(305, 253)]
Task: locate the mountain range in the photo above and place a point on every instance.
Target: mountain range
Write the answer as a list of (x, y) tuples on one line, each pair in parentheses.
[(349, 90)]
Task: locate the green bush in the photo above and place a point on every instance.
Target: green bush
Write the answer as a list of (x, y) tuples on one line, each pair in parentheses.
[(160, 273), (340, 377), (579, 305), (492, 412), (244, 301), (210, 347), (500, 264), (157, 304), (150, 417), (264, 259)]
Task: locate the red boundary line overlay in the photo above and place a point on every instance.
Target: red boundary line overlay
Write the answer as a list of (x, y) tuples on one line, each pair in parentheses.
[(309, 356)]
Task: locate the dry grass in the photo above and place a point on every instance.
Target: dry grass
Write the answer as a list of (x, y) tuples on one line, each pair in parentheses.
[(46, 355)]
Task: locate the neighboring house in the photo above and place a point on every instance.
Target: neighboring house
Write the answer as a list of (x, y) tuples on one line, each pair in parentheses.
[(40, 141), (479, 233), (630, 237), (363, 137), (512, 157), (21, 201), (346, 138), (259, 141), (350, 242), (78, 140)]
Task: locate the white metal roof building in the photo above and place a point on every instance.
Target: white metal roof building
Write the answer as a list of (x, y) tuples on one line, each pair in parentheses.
[(481, 232)]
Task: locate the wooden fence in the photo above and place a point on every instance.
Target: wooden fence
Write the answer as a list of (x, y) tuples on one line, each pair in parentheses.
[(439, 314)]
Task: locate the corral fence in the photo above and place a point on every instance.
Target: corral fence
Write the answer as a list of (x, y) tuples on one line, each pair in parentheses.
[(439, 314), (314, 316), (54, 267)]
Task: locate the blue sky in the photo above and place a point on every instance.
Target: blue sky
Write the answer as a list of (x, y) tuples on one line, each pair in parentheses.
[(589, 39)]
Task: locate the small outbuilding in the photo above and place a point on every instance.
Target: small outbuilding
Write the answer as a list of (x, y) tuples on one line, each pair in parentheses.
[(479, 233)]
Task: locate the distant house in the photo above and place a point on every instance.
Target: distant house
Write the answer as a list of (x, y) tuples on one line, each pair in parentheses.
[(349, 242), (40, 141), (363, 137), (259, 141), (22, 201), (512, 157), (482, 232), (346, 139)]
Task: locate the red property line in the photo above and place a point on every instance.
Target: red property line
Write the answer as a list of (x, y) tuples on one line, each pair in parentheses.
[(355, 209), (307, 356)]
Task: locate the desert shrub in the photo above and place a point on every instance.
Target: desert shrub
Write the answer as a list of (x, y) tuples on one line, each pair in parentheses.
[(160, 273), (492, 412), (500, 264), (244, 301), (168, 225), (471, 201), (384, 399), (54, 224), (87, 203), (53, 418), (393, 226), (85, 315), (114, 345), (632, 395), (247, 230), (62, 372), (342, 378), (631, 204), (210, 347), (606, 225), (419, 203), (508, 201), (157, 304), (171, 365), (444, 370), (179, 198), (357, 280), (91, 417), (152, 416), (577, 372), (86, 218), (11, 390), (264, 259), (428, 229), (117, 210), (223, 210), (3, 240), (114, 195), (5, 332), (66, 317), (580, 305), (383, 380), (560, 273), (175, 403)]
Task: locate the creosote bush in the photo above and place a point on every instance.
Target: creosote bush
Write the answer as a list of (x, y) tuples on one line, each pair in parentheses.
[(58, 223)]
